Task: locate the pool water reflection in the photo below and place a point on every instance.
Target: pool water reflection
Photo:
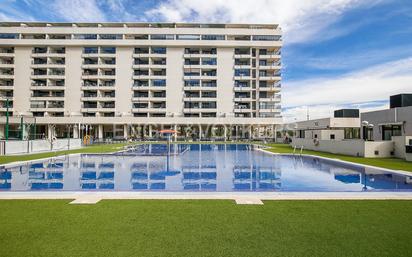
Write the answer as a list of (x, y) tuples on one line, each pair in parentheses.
[(207, 168)]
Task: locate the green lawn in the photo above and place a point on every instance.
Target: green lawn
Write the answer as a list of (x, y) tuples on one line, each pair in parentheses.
[(389, 163), (89, 149), (206, 228)]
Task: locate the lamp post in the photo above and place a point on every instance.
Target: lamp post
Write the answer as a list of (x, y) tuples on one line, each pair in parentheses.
[(366, 125), (69, 126), (7, 120)]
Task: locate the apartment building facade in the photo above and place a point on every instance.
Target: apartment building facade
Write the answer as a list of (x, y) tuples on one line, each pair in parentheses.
[(132, 79)]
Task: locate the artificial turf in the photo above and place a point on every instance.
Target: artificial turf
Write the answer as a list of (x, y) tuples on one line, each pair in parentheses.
[(388, 163), (205, 228)]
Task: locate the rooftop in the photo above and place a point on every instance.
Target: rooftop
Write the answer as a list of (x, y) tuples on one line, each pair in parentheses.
[(140, 25)]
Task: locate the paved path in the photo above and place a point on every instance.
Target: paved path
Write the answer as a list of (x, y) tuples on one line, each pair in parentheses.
[(239, 197)]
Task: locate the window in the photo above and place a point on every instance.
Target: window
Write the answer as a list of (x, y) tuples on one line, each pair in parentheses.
[(388, 131), (59, 36), (85, 36), (267, 105), (188, 37), (158, 50), (111, 36), (162, 37), (34, 36), (159, 83), (108, 50), (192, 83), (352, 133), (239, 37), (141, 50), (332, 136), (209, 61), (266, 38), (192, 51), (242, 72), (9, 36), (90, 50), (242, 51), (213, 37)]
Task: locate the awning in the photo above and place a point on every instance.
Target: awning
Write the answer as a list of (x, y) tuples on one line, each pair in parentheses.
[(390, 123)]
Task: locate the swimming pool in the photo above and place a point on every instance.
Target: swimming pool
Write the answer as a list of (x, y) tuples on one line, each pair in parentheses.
[(198, 168)]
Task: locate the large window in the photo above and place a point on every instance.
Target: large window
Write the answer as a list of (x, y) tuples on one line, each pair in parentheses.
[(352, 133), (388, 131)]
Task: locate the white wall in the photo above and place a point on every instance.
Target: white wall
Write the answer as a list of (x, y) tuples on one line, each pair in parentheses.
[(395, 115), (35, 146), (348, 147)]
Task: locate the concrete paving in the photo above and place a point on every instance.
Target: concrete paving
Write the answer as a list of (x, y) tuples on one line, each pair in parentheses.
[(238, 197)]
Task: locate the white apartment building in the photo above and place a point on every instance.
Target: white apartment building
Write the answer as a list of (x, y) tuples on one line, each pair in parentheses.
[(131, 80)]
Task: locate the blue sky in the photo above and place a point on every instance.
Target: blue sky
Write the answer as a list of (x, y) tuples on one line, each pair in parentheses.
[(337, 53)]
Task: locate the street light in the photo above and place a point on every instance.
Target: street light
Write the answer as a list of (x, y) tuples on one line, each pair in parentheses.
[(7, 119), (69, 126)]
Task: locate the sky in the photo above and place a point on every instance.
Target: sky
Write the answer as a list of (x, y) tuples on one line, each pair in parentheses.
[(336, 53)]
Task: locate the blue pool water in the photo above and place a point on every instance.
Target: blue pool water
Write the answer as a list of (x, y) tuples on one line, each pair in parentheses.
[(192, 168)]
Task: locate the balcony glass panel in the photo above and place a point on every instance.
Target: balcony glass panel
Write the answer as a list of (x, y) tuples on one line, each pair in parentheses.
[(159, 83), (242, 72), (162, 37), (192, 83), (213, 37), (90, 50), (85, 36), (158, 50), (266, 38), (188, 37), (111, 36), (9, 36), (108, 50)]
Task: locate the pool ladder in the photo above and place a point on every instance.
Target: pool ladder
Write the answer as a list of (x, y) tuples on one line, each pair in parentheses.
[(301, 150)]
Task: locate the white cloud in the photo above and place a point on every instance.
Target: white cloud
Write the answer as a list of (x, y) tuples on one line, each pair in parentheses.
[(78, 10), (375, 83), (356, 90), (300, 113), (299, 19)]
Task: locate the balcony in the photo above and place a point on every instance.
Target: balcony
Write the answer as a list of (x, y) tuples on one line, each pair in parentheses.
[(270, 55), (6, 63), (270, 66), (6, 51), (6, 83)]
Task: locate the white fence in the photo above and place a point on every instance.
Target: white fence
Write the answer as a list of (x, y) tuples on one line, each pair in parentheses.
[(362, 148), (37, 146)]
